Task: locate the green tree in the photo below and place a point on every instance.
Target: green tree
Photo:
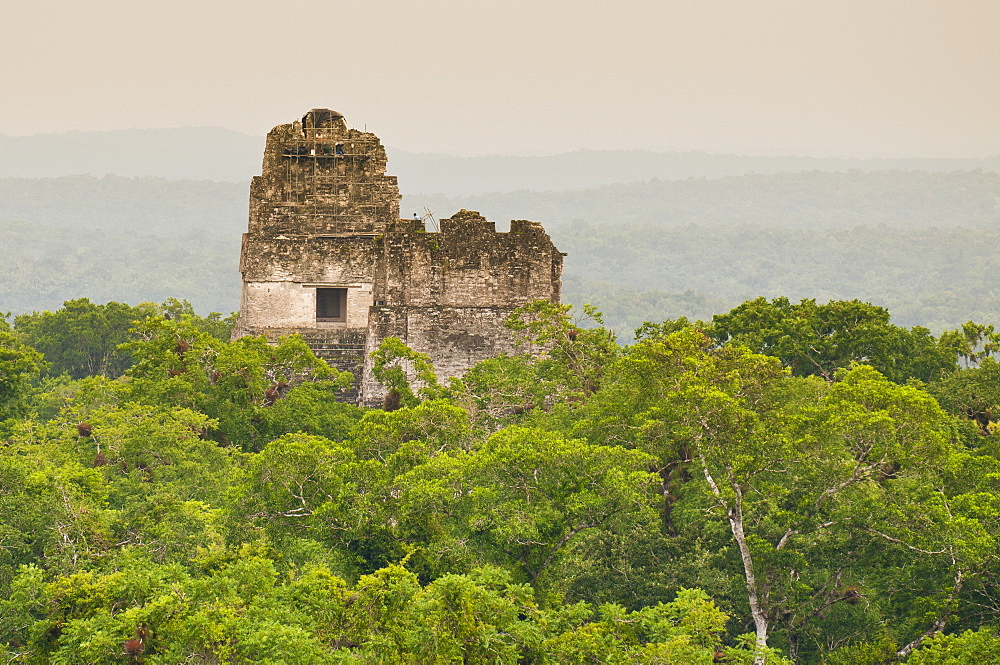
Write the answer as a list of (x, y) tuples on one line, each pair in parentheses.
[(213, 324), (522, 500), (560, 365), (85, 339), (973, 342), (237, 383), (53, 509), (968, 648), (818, 340), (28, 508), (20, 365), (81, 338), (570, 359), (396, 366), (973, 392), (791, 465), (303, 488)]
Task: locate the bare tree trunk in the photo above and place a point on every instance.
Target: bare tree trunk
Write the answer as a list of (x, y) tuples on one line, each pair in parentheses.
[(759, 620), (735, 515)]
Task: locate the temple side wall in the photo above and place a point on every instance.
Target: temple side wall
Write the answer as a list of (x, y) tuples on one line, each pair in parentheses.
[(469, 264), (448, 294), (455, 338)]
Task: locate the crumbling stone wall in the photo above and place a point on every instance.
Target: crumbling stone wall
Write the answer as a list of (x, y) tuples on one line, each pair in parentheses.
[(448, 294), (323, 215), (469, 264)]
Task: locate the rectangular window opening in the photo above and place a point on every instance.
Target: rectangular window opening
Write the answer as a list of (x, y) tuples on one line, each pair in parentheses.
[(331, 305)]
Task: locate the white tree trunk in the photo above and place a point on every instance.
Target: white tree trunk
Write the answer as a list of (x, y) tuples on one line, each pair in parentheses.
[(735, 515)]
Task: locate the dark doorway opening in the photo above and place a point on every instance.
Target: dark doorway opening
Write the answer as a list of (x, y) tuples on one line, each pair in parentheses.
[(331, 305)]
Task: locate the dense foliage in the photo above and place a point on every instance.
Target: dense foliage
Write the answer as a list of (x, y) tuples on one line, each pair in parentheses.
[(84, 339), (47, 265), (786, 482)]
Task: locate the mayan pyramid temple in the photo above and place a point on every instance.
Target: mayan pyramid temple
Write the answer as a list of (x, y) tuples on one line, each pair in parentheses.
[(327, 256)]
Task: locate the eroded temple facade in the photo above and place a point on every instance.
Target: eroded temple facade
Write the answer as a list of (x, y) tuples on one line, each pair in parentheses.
[(327, 256)]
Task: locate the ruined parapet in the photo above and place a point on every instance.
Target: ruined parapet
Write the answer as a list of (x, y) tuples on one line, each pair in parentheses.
[(469, 264), (319, 177)]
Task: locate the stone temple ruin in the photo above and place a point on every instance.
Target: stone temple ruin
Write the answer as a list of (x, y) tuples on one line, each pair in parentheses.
[(327, 256)]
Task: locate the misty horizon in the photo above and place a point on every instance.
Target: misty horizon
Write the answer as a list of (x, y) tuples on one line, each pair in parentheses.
[(845, 78), (528, 152)]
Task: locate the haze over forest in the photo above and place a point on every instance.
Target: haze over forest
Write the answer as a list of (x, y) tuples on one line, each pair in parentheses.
[(163, 498), (214, 153), (138, 215)]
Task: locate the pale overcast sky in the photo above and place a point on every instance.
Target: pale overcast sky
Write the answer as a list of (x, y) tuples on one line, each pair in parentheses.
[(841, 77)]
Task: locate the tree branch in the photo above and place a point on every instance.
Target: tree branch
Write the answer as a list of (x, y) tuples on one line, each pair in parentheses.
[(940, 622)]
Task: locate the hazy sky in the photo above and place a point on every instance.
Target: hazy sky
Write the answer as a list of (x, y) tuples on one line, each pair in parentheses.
[(843, 77)]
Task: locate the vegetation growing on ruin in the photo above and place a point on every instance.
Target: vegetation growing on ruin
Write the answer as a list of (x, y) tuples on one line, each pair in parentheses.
[(789, 481)]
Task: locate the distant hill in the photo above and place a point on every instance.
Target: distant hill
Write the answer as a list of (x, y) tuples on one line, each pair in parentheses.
[(190, 153), (213, 153), (146, 205), (45, 266), (461, 176), (811, 199), (934, 277), (906, 199)]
